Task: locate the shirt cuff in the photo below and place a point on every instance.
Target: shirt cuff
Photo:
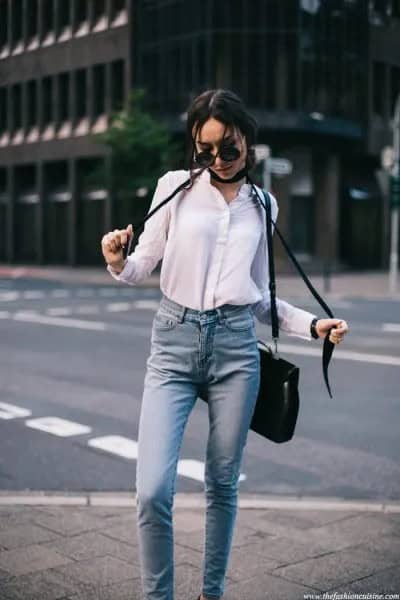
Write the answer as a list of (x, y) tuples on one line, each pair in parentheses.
[(124, 274)]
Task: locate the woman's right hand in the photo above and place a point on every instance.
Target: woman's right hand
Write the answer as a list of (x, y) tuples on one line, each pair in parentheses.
[(112, 245)]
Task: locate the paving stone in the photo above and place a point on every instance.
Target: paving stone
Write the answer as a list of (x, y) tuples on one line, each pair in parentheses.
[(44, 585), (21, 561), (335, 569), (244, 564), (11, 516), (339, 534), (67, 521), (125, 532), (383, 582), (126, 590), (91, 545), (24, 534), (266, 587), (100, 571), (297, 519), (189, 520)]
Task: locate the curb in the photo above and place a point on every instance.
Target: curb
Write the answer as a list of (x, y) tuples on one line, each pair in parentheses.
[(194, 501)]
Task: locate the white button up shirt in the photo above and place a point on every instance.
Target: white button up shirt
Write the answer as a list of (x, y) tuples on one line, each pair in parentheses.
[(213, 252)]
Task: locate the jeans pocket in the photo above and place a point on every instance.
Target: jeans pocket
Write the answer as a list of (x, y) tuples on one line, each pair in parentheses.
[(165, 321)]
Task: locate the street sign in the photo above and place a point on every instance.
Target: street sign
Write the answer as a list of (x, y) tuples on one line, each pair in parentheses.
[(387, 158), (262, 152), (280, 166), (395, 191)]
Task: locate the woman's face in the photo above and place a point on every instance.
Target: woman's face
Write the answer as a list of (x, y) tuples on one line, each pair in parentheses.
[(215, 135)]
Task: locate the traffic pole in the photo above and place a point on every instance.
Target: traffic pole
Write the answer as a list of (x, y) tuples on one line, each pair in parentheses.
[(395, 202)]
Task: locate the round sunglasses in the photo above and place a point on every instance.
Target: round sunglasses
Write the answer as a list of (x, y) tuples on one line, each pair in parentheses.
[(227, 153)]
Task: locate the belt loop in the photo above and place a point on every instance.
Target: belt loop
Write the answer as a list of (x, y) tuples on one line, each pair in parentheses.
[(220, 314), (182, 313)]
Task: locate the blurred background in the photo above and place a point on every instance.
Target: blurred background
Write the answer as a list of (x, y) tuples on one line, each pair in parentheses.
[(93, 100), (321, 76)]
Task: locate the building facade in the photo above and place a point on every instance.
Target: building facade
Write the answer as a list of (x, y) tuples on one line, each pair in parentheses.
[(65, 66), (321, 76)]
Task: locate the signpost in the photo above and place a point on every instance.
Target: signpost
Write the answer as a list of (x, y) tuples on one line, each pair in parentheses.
[(276, 166), (395, 201)]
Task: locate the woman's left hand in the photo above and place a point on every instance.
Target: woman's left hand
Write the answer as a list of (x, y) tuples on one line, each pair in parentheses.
[(340, 328)]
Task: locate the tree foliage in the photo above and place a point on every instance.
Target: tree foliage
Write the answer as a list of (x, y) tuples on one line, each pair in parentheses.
[(141, 147)]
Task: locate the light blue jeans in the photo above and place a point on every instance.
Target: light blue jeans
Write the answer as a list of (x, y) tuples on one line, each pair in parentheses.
[(214, 351)]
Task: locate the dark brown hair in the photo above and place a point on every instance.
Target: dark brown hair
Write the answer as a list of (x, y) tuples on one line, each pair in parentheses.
[(224, 106)]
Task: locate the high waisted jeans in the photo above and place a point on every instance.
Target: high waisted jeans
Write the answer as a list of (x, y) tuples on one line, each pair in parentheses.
[(213, 351)]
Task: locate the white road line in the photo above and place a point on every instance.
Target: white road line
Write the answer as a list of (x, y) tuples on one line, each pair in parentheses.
[(116, 444), (84, 292), (22, 314), (9, 296), (108, 292), (33, 294), (146, 304), (88, 309), (61, 311), (391, 327), (57, 426), (59, 322), (5, 314), (119, 306), (60, 293), (195, 469), (340, 354), (11, 411)]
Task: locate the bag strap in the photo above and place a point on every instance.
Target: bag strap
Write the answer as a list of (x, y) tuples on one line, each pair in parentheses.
[(328, 345)]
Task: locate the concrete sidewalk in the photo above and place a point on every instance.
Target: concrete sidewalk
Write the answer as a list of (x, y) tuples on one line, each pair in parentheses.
[(84, 547), (368, 285)]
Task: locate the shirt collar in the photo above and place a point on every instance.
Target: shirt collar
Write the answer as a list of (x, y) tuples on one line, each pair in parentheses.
[(244, 190)]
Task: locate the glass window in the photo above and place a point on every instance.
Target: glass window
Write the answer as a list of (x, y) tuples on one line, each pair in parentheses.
[(81, 94), (99, 88), (16, 27), (48, 100), (394, 87), (3, 109), (3, 23), (64, 14), (117, 84), (81, 11), (16, 99), (32, 18), (378, 87), (32, 104), (64, 95), (48, 16), (99, 9)]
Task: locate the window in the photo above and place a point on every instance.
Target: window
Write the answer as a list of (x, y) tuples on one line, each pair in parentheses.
[(32, 18), (48, 90), (16, 26), (64, 90), (99, 9), (81, 95), (48, 17), (16, 99), (117, 84), (3, 110), (31, 103), (99, 76), (3, 23), (81, 11), (64, 14), (394, 87), (378, 88)]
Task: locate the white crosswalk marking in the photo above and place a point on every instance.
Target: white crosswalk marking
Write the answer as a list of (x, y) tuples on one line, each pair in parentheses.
[(60, 293), (85, 293), (61, 311), (58, 426), (391, 327), (150, 304), (11, 411), (60, 322), (4, 314), (108, 292), (116, 444), (33, 295), (119, 306), (195, 469), (88, 309), (9, 296)]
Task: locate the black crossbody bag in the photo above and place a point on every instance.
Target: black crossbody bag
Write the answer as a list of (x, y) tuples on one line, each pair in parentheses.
[(277, 405)]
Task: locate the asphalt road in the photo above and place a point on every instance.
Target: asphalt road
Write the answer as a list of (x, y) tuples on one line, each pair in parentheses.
[(71, 379)]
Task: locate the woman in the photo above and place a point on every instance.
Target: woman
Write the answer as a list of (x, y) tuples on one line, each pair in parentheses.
[(214, 279)]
